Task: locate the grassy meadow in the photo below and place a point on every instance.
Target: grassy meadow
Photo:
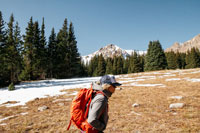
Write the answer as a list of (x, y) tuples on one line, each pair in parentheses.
[(152, 92)]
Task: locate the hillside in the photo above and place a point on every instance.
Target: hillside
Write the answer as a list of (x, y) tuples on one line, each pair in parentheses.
[(143, 104), (110, 50), (184, 47)]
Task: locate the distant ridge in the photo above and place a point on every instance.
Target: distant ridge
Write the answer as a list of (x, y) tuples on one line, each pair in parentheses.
[(110, 50), (184, 47)]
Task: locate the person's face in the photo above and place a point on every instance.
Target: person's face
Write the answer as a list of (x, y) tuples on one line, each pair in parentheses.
[(112, 89)]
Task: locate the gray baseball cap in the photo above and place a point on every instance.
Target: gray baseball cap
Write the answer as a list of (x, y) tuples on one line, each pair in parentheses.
[(109, 80)]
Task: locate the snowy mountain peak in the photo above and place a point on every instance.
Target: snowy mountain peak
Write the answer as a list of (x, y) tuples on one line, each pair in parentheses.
[(110, 50)]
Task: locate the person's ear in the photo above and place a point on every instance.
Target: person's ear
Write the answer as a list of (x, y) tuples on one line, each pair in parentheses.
[(111, 89)]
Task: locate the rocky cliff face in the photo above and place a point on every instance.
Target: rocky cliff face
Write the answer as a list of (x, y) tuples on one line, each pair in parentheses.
[(194, 42)]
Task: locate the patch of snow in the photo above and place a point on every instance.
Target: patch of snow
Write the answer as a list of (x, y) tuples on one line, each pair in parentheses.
[(145, 85), (3, 124), (194, 80), (127, 81), (6, 118), (9, 117), (130, 52), (150, 73), (24, 113), (176, 105), (74, 93), (169, 75), (146, 77), (24, 107), (177, 97), (126, 78), (140, 80), (151, 77), (133, 112), (11, 105), (27, 91), (195, 72), (174, 113), (172, 79)]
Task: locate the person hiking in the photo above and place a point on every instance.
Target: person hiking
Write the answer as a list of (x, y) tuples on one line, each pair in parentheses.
[(98, 110)]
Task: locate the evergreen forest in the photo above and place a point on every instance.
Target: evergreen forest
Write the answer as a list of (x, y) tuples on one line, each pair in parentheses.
[(33, 56)]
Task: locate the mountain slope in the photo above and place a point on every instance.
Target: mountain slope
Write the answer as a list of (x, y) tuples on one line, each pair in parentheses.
[(184, 47), (110, 50)]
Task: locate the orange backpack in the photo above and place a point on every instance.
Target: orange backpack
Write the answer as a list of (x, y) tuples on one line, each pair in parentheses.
[(79, 111)]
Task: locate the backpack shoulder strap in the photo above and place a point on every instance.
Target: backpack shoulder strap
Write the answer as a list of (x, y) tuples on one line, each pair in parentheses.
[(100, 92)]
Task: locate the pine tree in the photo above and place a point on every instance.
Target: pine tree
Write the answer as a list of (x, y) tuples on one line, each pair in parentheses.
[(171, 60), (114, 65), (183, 60), (193, 59), (52, 54), (109, 66), (29, 52), (120, 65), (101, 68), (13, 54), (4, 72), (43, 52), (178, 60), (39, 44), (126, 65), (141, 58), (3, 37), (134, 65), (62, 56), (155, 58), (19, 49), (187, 59), (36, 46), (92, 67), (74, 56), (83, 70)]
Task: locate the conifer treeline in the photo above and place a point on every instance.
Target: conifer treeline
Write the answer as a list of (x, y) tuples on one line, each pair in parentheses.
[(98, 66), (33, 57), (155, 59)]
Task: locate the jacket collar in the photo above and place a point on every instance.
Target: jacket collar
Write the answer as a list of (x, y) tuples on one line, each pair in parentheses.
[(107, 93)]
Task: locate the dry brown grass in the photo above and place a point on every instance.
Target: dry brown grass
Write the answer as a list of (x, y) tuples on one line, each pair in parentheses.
[(152, 115)]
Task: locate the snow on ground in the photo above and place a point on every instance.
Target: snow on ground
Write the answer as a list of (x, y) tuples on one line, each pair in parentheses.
[(168, 75), (146, 77), (195, 72), (147, 85), (27, 91), (177, 97), (6, 118), (193, 80), (172, 79), (131, 80), (39, 89)]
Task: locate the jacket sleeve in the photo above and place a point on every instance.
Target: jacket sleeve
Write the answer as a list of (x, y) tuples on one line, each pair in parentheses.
[(95, 112)]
